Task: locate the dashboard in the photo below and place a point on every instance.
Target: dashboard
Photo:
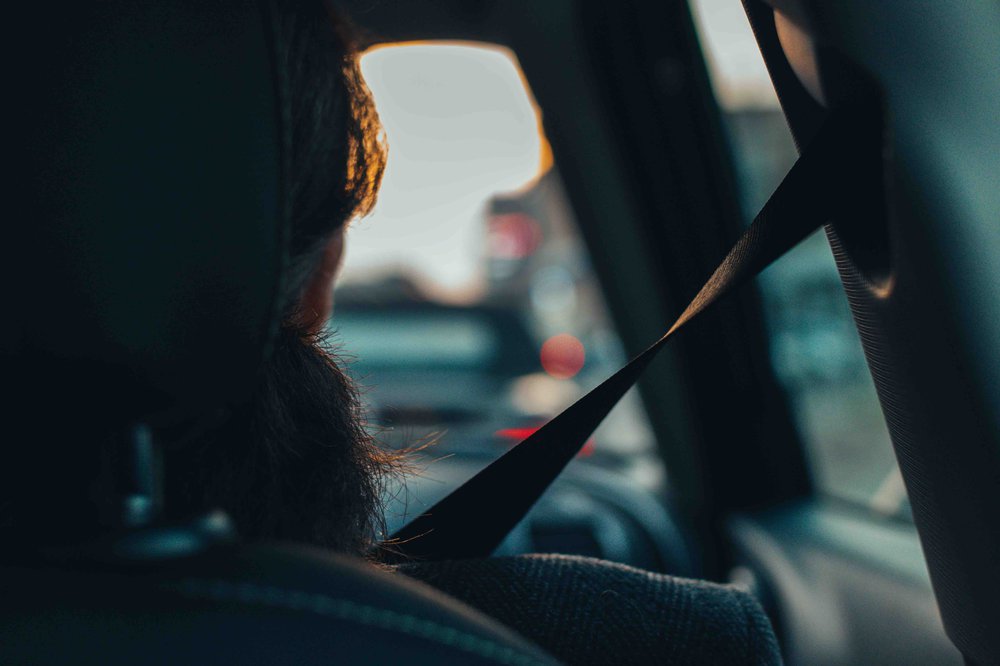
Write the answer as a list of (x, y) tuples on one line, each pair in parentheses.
[(588, 510)]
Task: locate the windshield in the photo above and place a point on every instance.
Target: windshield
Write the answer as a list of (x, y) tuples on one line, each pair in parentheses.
[(496, 323)]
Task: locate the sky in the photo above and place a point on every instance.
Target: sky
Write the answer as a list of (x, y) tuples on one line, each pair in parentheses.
[(461, 126), (738, 73)]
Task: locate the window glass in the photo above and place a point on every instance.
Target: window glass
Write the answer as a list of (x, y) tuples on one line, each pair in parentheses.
[(814, 345), (467, 307)]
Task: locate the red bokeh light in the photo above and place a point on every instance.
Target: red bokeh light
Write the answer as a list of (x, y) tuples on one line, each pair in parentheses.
[(513, 236), (563, 356), (517, 435)]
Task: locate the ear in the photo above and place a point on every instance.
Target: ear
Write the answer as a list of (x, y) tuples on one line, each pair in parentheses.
[(316, 304)]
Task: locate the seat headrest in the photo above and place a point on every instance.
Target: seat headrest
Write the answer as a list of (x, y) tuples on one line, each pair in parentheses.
[(147, 243)]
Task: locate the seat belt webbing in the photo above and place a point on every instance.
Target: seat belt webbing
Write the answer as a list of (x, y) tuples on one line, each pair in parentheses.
[(475, 518)]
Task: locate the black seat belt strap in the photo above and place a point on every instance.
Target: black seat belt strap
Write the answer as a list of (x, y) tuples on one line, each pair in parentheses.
[(475, 518)]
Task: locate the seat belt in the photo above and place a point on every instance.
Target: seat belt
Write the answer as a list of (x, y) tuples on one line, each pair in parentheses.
[(838, 168)]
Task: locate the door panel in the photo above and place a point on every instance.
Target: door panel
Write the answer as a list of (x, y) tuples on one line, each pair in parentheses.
[(843, 587)]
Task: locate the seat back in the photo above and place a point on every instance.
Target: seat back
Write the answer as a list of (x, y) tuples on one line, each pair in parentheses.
[(143, 274), (267, 605), (147, 250), (921, 274)]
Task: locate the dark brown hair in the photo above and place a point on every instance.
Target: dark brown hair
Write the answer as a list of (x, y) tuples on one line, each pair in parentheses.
[(336, 152), (297, 462)]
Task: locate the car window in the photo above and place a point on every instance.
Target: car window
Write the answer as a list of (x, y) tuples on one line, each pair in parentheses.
[(814, 345), (467, 307)]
